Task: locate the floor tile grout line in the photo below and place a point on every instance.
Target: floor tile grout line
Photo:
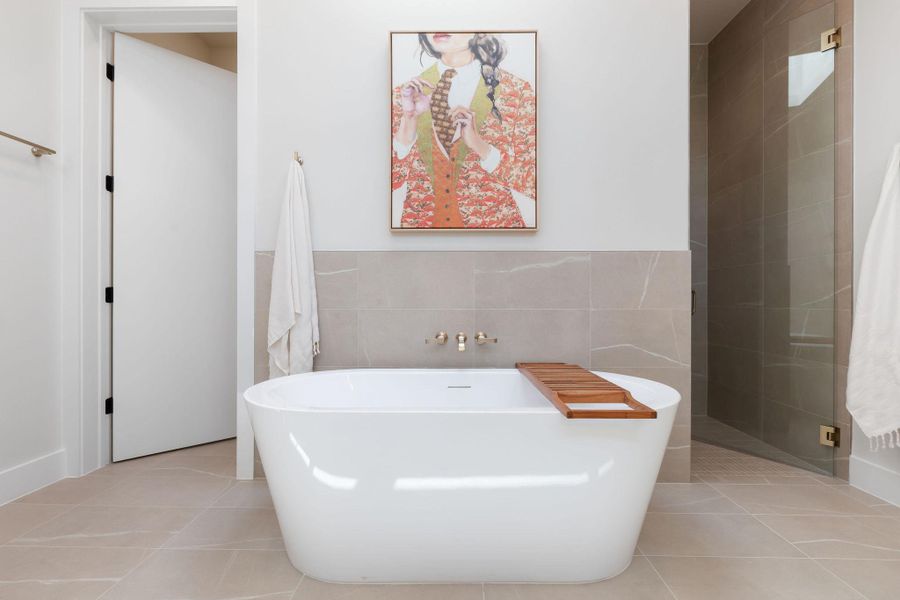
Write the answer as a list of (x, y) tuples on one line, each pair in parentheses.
[(798, 548), (297, 587), (156, 551), (841, 579), (41, 524), (661, 578), (707, 513), (150, 554), (734, 556), (201, 512), (231, 559)]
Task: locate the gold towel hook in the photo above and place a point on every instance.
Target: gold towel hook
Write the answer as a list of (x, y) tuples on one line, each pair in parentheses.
[(297, 157)]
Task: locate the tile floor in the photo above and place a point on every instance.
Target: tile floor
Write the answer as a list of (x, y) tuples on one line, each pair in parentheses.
[(177, 526), (712, 431)]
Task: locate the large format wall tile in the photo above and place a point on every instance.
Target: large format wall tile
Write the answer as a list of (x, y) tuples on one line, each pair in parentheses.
[(339, 338), (640, 280), (416, 279), (532, 336), (532, 279), (337, 279), (396, 338), (640, 338), (626, 312)]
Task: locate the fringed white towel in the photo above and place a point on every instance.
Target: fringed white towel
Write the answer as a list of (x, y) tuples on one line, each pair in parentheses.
[(293, 309), (873, 381)]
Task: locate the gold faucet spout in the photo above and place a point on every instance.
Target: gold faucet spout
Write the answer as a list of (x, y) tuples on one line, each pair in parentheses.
[(461, 341)]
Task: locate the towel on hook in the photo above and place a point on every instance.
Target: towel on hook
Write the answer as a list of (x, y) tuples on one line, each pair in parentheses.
[(293, 334), (873, 381)]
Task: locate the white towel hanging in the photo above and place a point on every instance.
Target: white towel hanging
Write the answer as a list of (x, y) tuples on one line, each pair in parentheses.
[(873, 381), (293, 333)]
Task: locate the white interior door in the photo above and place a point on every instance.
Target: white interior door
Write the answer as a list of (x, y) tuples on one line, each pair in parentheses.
[(174, 250)]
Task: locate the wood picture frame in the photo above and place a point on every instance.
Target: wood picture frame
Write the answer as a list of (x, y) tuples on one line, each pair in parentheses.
[(464, 158)]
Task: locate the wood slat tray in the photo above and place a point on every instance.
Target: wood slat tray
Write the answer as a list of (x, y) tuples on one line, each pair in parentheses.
[(567, 386)]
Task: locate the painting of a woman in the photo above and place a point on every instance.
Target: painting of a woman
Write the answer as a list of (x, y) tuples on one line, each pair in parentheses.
[(464, 131)]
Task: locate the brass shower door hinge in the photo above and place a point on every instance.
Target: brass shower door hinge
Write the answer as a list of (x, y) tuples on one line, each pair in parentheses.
[(831, 39), (829, 436)]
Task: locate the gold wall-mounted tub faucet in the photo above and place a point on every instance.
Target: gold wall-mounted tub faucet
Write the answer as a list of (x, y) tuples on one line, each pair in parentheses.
[(461, 341)]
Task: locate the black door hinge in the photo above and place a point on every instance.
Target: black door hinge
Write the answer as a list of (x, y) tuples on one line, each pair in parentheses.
[(109, 183), (108, 295), (108, 406), (110, 72)]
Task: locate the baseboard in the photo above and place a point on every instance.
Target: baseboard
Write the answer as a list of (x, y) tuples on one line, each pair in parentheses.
[(875, 480), (23, 479)]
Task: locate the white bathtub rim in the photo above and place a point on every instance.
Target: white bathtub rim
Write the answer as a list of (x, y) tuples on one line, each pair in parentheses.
[(664, 396)]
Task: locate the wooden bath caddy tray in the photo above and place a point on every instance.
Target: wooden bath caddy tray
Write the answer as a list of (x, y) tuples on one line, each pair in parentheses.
[(568, 386)]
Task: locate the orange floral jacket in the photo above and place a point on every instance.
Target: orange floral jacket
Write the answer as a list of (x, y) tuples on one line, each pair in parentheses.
[(484, 198)]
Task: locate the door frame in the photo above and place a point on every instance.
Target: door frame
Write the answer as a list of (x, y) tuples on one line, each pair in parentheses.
[(86, 29)]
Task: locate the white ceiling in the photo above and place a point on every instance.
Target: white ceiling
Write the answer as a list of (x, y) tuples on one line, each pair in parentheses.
[(708, 17)]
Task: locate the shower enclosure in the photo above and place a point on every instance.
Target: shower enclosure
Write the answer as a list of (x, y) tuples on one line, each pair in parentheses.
[(770, 366)]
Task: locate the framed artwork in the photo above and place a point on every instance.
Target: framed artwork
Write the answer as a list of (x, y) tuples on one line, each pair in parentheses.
[(464, 131)]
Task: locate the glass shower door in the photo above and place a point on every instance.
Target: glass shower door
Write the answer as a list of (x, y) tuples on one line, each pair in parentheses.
[(798, 239)]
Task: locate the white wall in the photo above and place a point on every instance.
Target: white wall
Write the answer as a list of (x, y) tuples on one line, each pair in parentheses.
[(613, 119), (876, 116), (30, 429)]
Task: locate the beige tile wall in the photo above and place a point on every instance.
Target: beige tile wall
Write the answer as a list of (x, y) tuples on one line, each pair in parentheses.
[(627, 312)]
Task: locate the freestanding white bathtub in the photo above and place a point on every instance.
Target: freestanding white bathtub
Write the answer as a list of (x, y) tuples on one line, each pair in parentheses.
[(454, 476)]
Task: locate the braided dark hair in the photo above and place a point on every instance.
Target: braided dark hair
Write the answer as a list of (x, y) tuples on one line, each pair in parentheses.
[(489, 50)]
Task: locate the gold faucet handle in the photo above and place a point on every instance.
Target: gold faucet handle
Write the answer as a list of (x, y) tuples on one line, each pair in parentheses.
[(440, 338), (482, 338)]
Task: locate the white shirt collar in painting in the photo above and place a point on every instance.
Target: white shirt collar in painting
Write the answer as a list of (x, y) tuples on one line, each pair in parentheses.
[(463, 85)]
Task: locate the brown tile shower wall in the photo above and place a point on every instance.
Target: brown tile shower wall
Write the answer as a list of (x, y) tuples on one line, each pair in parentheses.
[(627, 312), (769, 208), (699, 202), (735, 221)]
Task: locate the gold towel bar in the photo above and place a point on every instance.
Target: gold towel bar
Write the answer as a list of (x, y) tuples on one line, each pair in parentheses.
[(36, 149), (297, 157)]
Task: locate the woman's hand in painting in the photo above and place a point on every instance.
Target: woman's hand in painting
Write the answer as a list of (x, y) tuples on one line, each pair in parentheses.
[(413, 102), (413, 99), (469, 132)]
